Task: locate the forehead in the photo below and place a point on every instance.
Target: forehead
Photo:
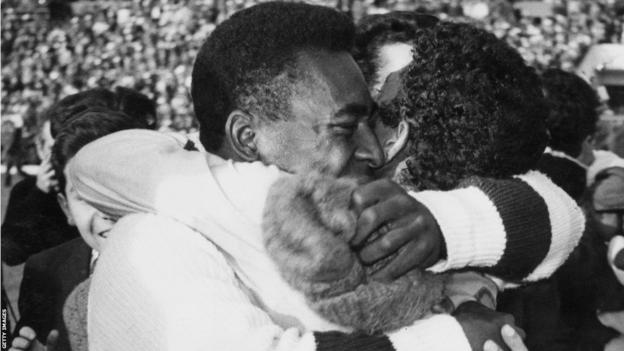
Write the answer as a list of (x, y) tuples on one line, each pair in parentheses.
[(336, 81)]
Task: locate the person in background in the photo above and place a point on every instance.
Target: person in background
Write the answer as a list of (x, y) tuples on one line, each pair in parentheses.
[(51, 275), (571, 123), (33, 220)]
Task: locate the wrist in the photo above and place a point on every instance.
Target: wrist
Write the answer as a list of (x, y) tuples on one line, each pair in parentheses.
[(439, 332)]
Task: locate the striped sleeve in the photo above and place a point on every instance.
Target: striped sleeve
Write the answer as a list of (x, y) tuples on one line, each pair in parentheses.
[(519, 229)]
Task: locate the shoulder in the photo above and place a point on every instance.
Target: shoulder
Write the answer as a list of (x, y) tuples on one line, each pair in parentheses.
[(24, 186), (149, 245), (51, 258)]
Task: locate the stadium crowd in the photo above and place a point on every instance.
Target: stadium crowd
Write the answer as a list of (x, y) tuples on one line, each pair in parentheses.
[(149, 46), (396, 175)]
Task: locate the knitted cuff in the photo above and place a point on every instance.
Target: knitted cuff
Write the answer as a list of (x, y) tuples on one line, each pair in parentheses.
[(471, 226), (525, 217), (566, 219), (438, 333)]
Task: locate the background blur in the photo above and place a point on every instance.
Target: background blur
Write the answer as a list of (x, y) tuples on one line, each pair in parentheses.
[(54, 48)]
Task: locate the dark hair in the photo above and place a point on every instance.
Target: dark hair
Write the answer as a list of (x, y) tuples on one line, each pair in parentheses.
[(131, 102), (375, 31), (474, 108), (242, 64), (573, 110), (84, 128)]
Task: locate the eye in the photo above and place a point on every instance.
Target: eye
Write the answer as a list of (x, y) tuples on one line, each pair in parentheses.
[(346, 129)]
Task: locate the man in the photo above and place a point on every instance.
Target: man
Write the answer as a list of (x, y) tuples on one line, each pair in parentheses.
[(51, 275), (34, 222), (572, 122), (294, 99)]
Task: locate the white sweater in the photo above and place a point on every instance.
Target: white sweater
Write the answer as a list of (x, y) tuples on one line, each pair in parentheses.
[(161, 285)]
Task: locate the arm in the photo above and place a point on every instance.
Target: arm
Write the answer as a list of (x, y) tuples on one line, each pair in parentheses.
[(159, 286), (519, 229), (33, 222)]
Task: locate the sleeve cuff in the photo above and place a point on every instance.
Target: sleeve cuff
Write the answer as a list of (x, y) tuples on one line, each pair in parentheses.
[(471, 226), (437, 333), (566, 220)]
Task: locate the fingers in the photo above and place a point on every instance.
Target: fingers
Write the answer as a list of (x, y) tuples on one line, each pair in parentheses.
[(385, 245), (374, 217), (28, 333), (20, 343), (413, 255), (371, 193), (513, 338), (52, 340), (491, 346)]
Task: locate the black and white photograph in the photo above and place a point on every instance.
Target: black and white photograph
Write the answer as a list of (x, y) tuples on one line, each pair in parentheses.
[(312, 175)]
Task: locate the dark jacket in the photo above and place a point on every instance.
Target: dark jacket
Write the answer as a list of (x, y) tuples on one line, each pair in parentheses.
[(33, 222), (49, 277)]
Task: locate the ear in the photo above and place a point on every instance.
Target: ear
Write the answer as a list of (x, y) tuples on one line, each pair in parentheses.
[(394, 145), (240, 131), (62, 201)]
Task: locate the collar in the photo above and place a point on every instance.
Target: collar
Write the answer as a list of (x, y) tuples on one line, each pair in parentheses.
[(564, 155)]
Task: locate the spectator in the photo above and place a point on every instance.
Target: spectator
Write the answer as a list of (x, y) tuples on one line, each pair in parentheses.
[(51, 275), (33, 220)]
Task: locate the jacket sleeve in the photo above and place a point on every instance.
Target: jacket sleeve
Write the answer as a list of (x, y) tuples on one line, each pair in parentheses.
[(520, 229), (33, 222), (35, 303), (160, 286)]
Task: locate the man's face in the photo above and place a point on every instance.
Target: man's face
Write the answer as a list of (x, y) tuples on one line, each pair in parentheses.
[(385, 133), (328, 129), (92, 224)]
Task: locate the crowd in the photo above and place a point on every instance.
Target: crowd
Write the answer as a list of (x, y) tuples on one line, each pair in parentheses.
[(406, 182), (149, 45)]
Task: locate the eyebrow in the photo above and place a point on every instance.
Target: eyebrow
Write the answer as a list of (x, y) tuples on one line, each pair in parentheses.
[(357, 110)]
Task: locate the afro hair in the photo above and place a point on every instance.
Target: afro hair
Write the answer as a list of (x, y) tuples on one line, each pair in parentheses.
[(249, 61), (474, 108), (573, 110)]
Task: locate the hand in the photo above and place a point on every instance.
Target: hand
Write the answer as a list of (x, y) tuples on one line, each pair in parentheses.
[(481, 324), (389, 221), (512, 339), (27, 341), (46, 179)]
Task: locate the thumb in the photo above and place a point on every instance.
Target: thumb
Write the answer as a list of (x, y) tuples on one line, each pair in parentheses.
[(52, 340)]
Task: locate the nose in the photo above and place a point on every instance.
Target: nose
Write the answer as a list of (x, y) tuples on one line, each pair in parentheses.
[(367, 147)]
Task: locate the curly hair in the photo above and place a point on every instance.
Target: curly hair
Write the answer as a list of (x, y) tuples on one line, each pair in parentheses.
[(374, 31), (474, 108), (249, 61), (573, 110)]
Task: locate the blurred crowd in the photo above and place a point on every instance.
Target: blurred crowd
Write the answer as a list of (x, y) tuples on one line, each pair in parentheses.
[(149, 45)]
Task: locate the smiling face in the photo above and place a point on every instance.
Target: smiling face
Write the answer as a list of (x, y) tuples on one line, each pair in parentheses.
[(329, 127), (92, 224)]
